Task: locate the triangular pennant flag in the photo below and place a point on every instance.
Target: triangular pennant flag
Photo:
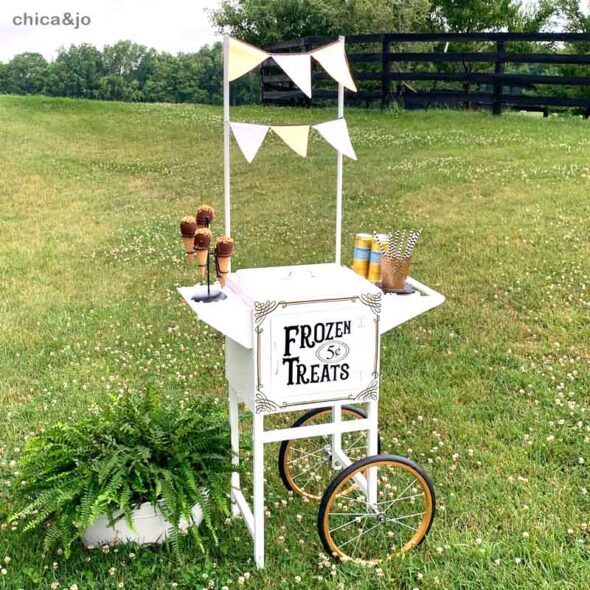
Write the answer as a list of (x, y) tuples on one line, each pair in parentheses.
[(336, 134), (242, 58), (249, 137), (298, 67), (333, 59), (295, 136)]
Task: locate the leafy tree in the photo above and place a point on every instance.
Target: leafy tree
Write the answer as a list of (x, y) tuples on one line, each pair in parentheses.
[(3, 78), (123, 59), (468, 16), (26, 74), (76, 72), (267, 22), (157, 73), (575, 19)]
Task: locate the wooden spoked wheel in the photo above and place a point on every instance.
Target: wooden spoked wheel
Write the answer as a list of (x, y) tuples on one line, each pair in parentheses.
[(398, 521), (306, 465)]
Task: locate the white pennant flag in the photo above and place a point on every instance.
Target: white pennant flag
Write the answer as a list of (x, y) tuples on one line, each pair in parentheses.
[(249, 137), (298, 67), (333, 59), (336, 134)]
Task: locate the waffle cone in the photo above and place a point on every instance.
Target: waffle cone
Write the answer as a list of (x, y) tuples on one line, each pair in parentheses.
[(189, 247), (223, 264)]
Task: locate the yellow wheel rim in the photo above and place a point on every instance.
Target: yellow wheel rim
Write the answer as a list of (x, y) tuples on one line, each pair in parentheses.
[(419, 534)]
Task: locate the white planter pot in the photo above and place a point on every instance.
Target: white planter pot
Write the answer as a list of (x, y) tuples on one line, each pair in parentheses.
[(150, 527)]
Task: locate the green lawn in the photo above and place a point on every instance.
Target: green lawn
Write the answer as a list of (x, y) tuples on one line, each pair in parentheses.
[(490, 393)]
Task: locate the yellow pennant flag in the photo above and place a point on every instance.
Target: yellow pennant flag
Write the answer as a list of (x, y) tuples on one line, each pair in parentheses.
[(242, 58), (333, 59), (295, 136)]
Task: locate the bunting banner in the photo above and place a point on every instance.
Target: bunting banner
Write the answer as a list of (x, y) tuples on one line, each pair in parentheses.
[(242, 58), (249, 138), (336, 134), (298, 67), (295, 136), (333, 59)]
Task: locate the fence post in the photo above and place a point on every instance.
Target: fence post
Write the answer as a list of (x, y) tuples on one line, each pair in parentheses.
[(498, 84), (385, 69)]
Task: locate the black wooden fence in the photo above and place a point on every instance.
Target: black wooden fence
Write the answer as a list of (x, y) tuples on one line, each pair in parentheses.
[(526, 71)]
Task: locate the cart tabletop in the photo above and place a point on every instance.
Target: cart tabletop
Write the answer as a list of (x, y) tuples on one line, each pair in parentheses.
[(234, 315)]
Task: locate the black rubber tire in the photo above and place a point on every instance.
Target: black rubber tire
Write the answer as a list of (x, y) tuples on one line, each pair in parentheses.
[(302, 420), (354, 467)]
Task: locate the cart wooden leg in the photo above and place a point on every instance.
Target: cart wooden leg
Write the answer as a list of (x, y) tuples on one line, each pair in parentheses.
[(258, 444), (372, 449), (234, 421), (337, 436)]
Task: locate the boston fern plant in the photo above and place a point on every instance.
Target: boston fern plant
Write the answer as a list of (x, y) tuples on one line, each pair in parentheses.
[(139, 449)]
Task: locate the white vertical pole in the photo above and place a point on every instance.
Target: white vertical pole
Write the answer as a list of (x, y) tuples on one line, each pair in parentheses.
[(234, 422), (258, 428), (339, 178), (337, 436), (226, 131), (372, 449)]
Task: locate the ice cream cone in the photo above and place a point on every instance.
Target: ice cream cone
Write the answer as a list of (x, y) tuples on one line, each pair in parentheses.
[(202, 242), (205, 215), (188, 227), (224, 248)]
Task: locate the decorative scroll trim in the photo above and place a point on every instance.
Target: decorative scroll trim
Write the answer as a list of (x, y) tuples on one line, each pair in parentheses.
[(372, 300), (261, 310), (263, 404), (370, 393)]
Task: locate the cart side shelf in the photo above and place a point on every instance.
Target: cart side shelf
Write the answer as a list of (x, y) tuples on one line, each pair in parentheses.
[(397, 309), (230, 316)]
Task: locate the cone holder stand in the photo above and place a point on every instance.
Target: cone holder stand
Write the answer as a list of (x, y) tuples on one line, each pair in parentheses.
[(214, 294)]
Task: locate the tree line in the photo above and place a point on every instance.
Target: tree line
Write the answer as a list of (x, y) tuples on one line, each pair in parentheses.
[(125, 71), (130, 72)]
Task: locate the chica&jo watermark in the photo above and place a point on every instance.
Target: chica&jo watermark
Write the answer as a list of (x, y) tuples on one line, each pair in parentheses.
[(67, 19)]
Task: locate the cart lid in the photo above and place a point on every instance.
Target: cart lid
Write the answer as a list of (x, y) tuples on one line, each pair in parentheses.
[(298, 282)]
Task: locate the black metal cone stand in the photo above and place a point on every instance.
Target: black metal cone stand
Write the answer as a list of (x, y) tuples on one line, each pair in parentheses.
[(212, 294)]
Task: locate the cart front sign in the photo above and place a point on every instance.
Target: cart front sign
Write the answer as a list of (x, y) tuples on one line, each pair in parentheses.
[(317, 350)]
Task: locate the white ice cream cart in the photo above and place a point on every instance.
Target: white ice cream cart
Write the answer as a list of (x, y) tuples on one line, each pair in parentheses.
[(307, 338)]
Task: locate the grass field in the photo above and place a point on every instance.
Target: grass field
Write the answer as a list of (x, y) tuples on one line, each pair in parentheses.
[(490, 393)]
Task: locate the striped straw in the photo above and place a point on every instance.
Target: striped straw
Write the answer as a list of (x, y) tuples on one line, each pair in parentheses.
[(412, 239)]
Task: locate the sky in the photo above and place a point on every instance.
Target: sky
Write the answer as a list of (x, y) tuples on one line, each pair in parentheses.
[(166, 25)]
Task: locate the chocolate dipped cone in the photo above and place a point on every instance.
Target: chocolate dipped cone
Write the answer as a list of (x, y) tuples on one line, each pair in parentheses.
[(202, 242), (188, 227), (205, 216), (224, 249)]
